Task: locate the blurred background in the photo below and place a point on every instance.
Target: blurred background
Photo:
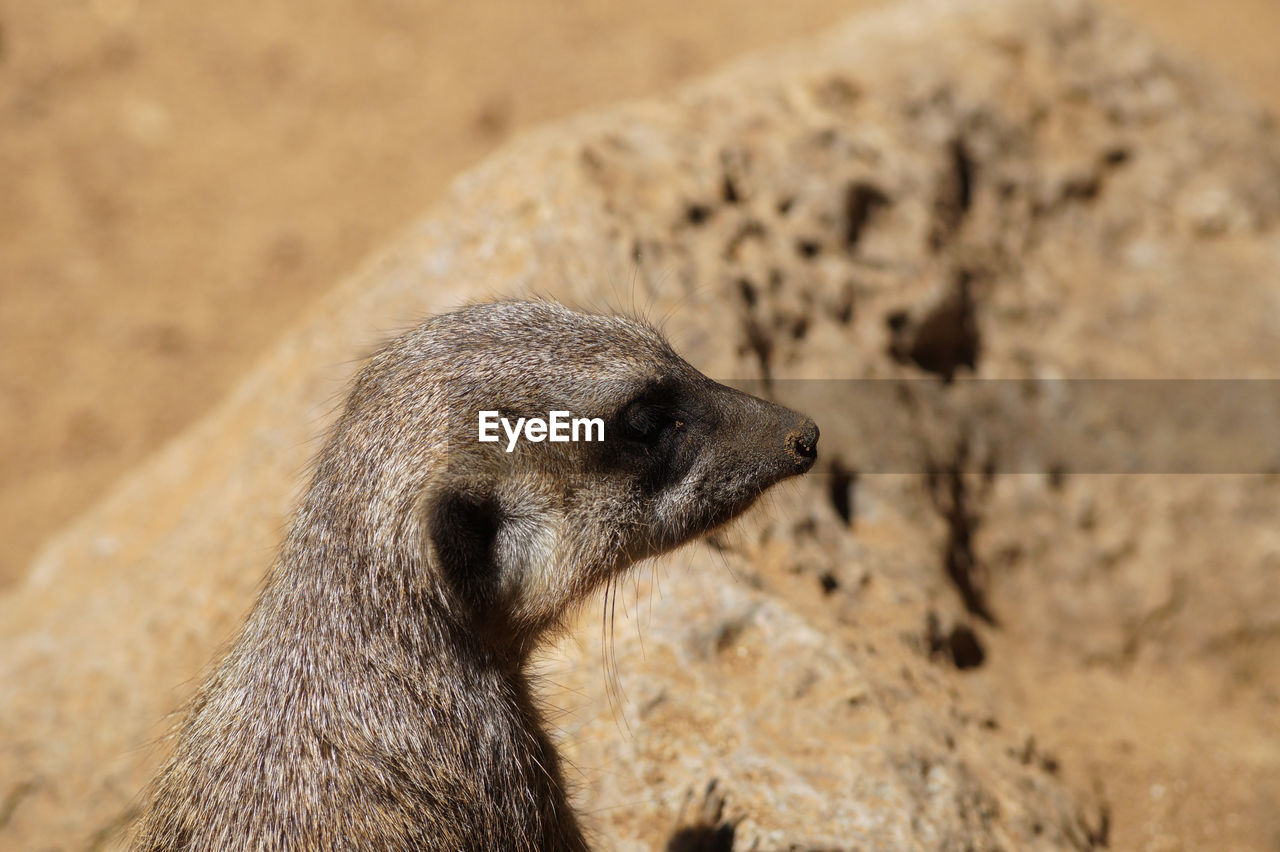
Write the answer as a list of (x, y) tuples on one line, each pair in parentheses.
[(179, 180)]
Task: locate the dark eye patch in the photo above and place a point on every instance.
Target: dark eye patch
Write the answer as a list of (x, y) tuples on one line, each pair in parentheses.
[(656, 415), (645, 421), (661, 430)]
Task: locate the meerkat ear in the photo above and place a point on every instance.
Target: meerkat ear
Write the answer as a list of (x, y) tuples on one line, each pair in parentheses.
[(462, 526)]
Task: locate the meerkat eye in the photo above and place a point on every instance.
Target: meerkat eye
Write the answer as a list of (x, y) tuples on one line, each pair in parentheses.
[(645, 422)]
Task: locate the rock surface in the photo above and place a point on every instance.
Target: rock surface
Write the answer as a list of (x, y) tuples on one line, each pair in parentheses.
[(949, 654)]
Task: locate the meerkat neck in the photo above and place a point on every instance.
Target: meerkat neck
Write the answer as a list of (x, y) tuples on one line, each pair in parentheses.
[(351, 671)]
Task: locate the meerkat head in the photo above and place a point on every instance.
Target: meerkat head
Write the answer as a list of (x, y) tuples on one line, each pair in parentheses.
[(514, 530)]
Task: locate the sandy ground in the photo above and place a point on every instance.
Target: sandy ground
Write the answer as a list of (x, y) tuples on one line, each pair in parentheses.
[(179, 180)]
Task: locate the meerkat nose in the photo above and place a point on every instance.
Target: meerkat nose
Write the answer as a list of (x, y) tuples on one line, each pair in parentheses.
[(802, 442)]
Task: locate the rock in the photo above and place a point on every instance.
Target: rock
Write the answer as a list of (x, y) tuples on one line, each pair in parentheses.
[(923, 645)]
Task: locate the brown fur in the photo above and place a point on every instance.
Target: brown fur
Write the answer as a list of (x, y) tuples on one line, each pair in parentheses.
[(377, 696)]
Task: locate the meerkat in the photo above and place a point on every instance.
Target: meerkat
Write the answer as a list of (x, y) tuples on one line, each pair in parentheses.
[(378, 697)]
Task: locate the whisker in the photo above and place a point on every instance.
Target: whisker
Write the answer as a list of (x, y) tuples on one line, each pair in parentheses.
[(614, 654)]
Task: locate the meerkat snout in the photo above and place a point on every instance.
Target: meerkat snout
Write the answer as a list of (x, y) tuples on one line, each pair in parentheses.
[(377, 697), (803, 443)]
